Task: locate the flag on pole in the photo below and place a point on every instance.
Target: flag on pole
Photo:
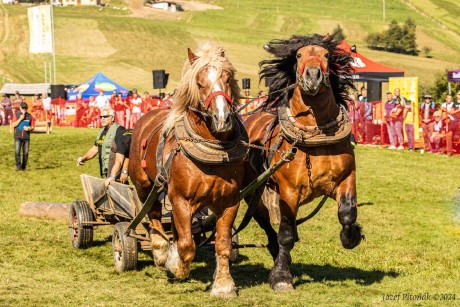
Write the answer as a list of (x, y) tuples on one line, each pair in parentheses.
[(41, 36)]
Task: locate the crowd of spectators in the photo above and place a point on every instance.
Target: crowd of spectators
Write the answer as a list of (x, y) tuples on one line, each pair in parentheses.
[(128, 110), (438, 124)]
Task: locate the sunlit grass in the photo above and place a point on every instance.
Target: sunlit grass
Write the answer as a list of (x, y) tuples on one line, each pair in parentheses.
[(409, 212)]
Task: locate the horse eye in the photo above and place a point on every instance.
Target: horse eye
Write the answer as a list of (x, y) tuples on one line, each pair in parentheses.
[(299, 55), (326, 55)]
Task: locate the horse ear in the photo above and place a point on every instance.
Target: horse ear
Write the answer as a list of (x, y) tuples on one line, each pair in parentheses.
[(191, 56), (326, 36)]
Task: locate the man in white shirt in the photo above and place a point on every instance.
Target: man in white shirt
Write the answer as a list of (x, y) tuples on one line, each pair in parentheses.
[(102, 101), (46, 101)]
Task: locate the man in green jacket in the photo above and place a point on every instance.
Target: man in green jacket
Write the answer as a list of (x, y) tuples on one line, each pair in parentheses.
[(103, 141)]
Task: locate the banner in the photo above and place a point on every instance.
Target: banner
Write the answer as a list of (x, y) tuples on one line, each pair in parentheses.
[(41, 36), (453, 75), (409, 90)]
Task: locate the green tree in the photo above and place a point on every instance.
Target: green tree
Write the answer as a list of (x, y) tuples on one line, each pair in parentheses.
[(338, 31), (440, 87), (396, 39)]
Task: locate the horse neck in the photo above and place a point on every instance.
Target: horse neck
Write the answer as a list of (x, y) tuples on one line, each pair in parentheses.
[(203, 128), (314, 110)]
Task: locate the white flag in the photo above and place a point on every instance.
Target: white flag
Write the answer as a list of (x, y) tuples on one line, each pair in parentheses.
[(41, 36)]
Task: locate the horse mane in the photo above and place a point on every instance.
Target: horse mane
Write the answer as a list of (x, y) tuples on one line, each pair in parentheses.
[(281, 70), (188, 94)]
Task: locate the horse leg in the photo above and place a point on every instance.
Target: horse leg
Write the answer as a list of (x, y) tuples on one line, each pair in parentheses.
[(262, 217), (182, 251), (223, 285), (158, 238), (351, 233), (280, 276)]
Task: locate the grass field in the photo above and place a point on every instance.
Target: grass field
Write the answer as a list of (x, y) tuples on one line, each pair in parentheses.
[(127, 48), (409, 211)]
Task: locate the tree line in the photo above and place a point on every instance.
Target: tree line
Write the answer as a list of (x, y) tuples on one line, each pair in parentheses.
[(397, 39)]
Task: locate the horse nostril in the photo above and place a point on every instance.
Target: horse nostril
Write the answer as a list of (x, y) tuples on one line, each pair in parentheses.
[(318, 74)]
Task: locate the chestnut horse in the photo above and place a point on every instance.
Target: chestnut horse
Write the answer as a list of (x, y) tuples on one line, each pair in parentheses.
[(198, 142), (314, 76)]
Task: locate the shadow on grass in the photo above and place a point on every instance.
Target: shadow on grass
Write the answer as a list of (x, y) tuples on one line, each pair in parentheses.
[(309, 273), (368, 203)]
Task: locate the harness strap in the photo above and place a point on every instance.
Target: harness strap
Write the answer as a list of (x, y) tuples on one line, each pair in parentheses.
[(215, 94), (309, 59)]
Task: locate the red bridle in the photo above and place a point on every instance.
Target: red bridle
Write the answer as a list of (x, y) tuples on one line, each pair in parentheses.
[(308, 59), (215, 94)]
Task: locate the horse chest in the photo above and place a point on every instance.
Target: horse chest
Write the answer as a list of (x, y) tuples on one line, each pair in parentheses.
[(310, 175)]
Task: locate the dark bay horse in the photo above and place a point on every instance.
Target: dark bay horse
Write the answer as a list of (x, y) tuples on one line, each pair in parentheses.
[(196, 149), (310, 115)]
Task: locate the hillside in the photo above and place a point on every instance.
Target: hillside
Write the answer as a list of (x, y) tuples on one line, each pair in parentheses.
[(128, 44)]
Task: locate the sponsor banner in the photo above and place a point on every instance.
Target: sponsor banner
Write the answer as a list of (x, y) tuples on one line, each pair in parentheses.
[(409, 90), (41, 36), (453, 75)]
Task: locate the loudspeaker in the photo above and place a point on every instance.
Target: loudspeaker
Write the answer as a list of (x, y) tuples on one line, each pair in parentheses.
[(268, 81), (160, 79), (374, 91), (58, 91), (246, 82)]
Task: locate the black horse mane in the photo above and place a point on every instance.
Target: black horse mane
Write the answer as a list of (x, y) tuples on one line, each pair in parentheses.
[(281, 70)]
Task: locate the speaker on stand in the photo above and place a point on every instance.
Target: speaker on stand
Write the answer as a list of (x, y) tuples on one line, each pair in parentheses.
[(160, 79)]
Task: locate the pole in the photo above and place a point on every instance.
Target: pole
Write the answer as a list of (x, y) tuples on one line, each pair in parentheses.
[(44, 63), (449, 88), (383, 10), (54, 50)]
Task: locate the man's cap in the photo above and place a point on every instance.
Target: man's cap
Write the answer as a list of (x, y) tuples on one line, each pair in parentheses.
[(24, 105), (427, 96)]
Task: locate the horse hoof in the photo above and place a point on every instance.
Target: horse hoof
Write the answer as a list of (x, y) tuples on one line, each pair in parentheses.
[(283, 287), (224, 294), (351, 236), (224, 288)]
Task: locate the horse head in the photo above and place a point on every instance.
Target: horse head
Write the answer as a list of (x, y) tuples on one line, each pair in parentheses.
[(215, 94), (312, 69)]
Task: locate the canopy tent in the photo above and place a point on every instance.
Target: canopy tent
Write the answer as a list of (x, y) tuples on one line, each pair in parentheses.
[(93, 86), (368, 70), (26, 88)]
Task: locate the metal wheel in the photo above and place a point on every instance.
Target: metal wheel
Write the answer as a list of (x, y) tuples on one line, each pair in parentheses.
[(235, 252), (81, 235), (124, 248)]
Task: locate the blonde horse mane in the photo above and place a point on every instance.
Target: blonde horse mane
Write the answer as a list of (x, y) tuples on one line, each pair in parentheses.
[(187, 94)]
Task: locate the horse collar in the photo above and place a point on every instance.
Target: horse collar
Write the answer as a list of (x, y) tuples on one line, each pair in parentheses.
[(210, 151), (333, 132)]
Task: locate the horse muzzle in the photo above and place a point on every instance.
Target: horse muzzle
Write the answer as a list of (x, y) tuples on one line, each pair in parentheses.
[(311, 80)]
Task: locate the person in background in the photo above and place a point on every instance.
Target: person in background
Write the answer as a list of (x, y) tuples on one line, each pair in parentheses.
[(7, 106), (119, 109), (426, 111), (449, 109), (103, 142), (102, 101), (46, 102), (37, 107), (409, 123), (398, 94), (23, 124), (397, 118), (136, 103), (436, 132), (119, 170), (81, 112), (368, 116), (146, 105), (389, 105), (16, 102), (113, 98)]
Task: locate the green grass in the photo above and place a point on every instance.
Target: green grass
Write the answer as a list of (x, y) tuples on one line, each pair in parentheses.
[(127, 49), (409, 212)]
